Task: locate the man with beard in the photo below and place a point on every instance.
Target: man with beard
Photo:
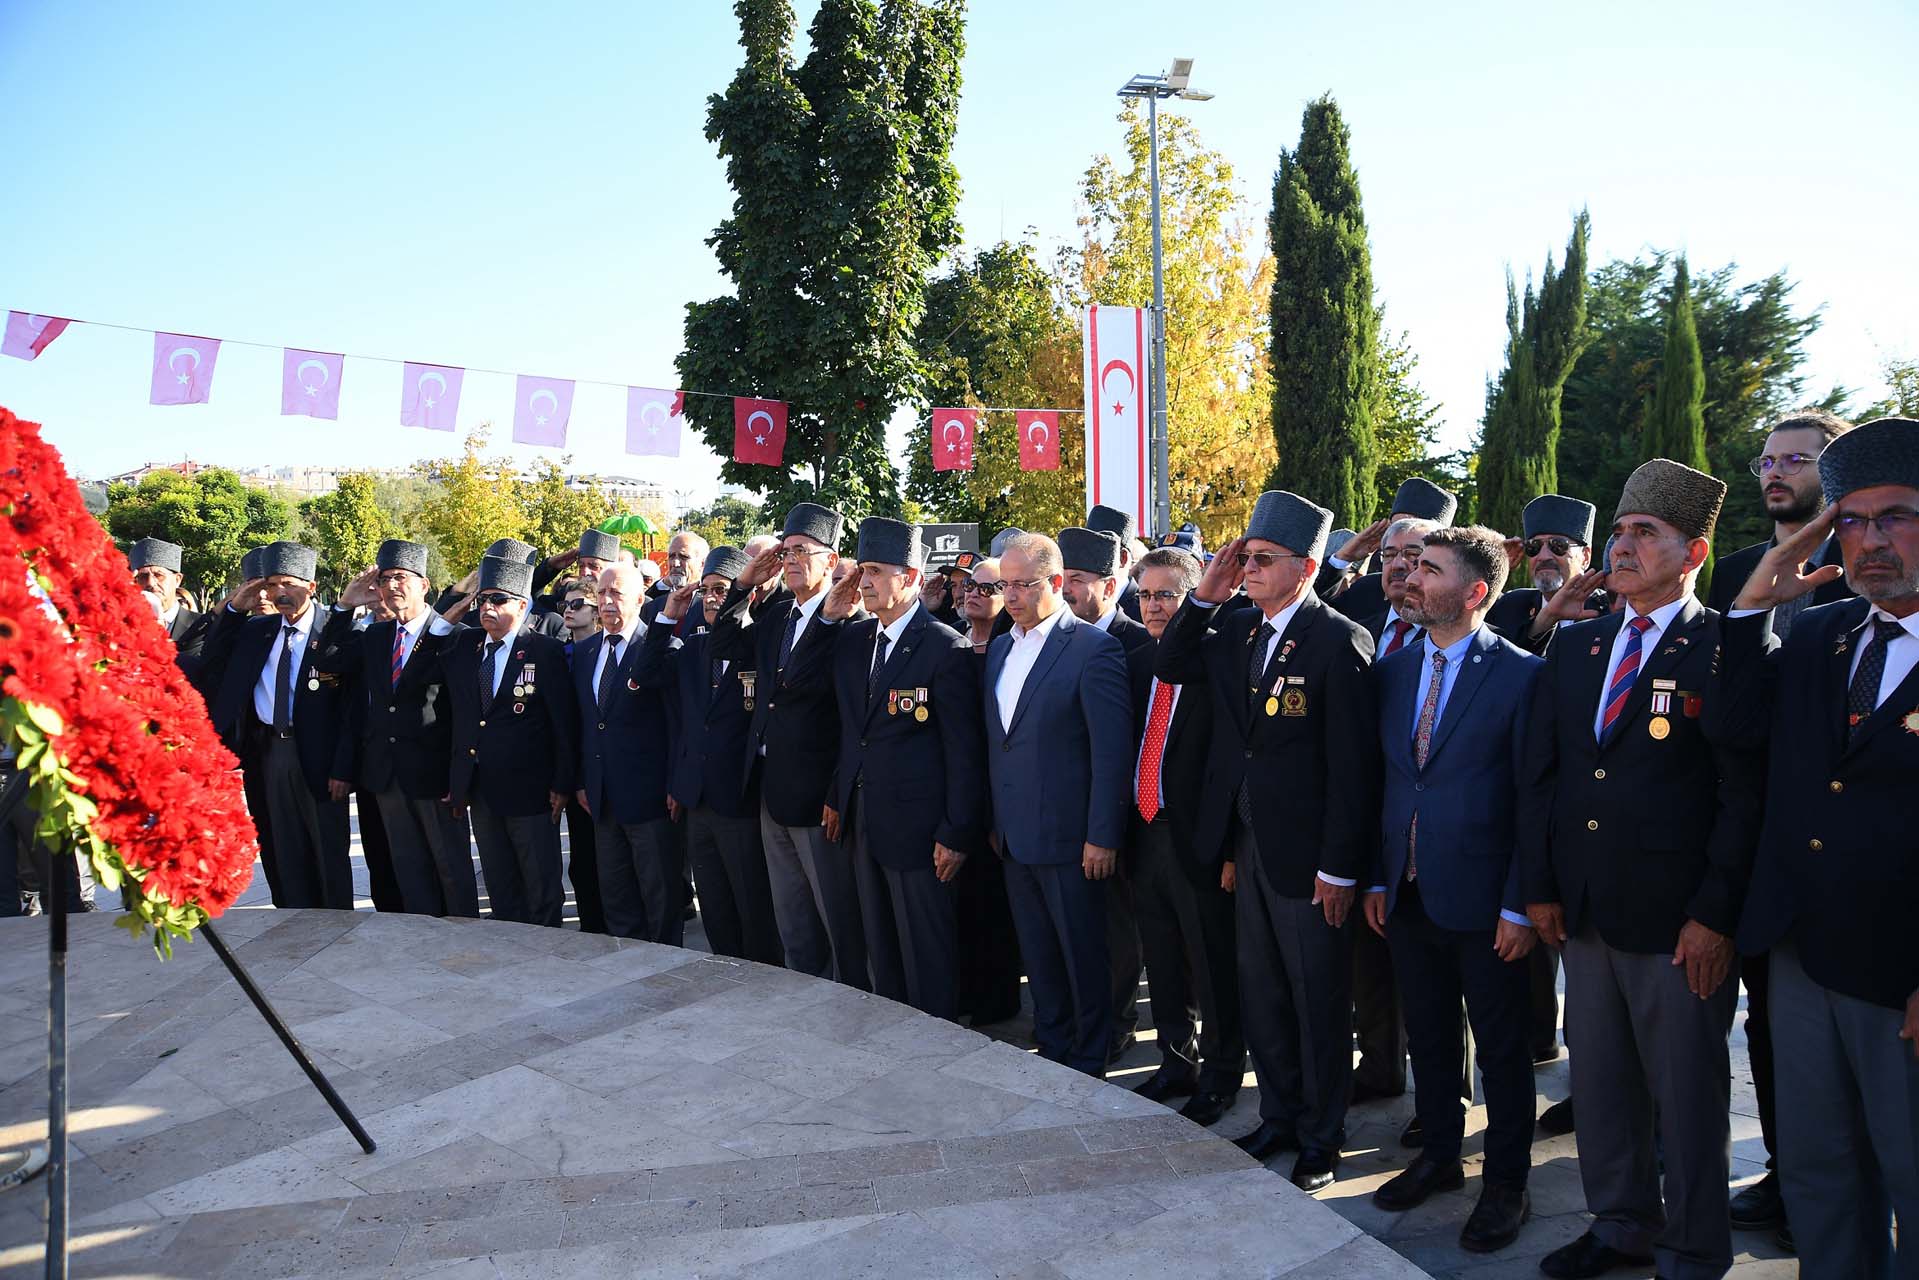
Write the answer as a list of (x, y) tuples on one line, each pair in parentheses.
[(1558, 549), (156, 568), (1446, 887), (1835, 887), (1788, 475)]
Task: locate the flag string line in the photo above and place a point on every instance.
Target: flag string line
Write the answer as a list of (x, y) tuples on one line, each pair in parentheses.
[(504, 373)]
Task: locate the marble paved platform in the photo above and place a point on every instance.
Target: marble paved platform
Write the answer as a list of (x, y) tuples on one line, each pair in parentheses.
[(549, 1103)]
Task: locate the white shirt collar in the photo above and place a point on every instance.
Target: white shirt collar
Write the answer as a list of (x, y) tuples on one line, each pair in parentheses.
[(1909, 623), (1105, 622), (1280, 620), (1043, 629), (1661, 617), (897, 627), (811, 606)]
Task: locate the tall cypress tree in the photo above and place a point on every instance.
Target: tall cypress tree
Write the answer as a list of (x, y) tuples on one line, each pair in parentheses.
[(1325, 330), (1676, 423), (1519, 446)]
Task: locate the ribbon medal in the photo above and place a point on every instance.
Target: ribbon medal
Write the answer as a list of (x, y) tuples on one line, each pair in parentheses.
[(920, 713), (747, 681), (1659, 727)]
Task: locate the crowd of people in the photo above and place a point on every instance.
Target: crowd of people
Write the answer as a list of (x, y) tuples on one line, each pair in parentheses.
[(1313, 798)]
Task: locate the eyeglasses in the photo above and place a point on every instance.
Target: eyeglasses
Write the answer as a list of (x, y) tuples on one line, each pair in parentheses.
[(983, 588), (1790, 464), (1893, 524), (1163, 597), (494, 598), (1024, 584), (1410, 554), (714, 593), (1264, 559), (398, 578), (1560, 546), (580, 604), (785, 555)]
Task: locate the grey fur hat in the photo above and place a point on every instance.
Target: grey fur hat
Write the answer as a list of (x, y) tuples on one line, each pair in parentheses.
[(822, 524), (1420, 497), (1687, 500), (1554, 513), (1292, 522), (1003, 537), (884, 541), (288, 559), (154, 553), (398, 553), (1089, 551), (499, 573), (1104, 519), (1883, 451), (600, 545), (728, 562), (514, 549)]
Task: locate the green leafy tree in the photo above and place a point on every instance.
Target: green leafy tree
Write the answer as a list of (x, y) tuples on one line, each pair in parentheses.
[(1407, 423), (1545, 334), (845, 199), (729, 521), (1902, 375), (473, 500), (553, 514), (1324, 328), (214, 517), (1676, 424), (346, 527)]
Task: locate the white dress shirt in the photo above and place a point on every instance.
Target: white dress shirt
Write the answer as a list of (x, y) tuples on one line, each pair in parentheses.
[(410, 635), (626, 647), (1902, 654), (808, 609), (1021, 654), (263, 687), (1661, 619), (1105, 621)]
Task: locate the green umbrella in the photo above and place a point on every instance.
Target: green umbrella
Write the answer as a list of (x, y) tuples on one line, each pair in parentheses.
[(629, 523)]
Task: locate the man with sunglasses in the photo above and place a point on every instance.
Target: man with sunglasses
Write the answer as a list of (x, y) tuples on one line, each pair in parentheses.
[(514, 729), (1291, 799), (1557, 548), (1835, 887)]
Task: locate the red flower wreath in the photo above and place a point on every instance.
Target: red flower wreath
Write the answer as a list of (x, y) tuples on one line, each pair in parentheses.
[(125, 766)]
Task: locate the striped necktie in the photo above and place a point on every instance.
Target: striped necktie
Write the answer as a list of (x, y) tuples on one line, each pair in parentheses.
[(1623, 675)]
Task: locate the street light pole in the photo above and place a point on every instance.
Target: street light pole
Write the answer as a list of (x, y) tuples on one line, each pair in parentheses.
[(1173, 84)]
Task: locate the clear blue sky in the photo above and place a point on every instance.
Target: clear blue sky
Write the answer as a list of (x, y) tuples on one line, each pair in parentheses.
[(529, 188)]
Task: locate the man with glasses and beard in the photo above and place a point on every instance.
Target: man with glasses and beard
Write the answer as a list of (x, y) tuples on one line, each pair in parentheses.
[(1835, 887)]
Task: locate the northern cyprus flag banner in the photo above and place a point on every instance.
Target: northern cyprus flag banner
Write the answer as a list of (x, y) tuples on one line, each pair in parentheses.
[(1116, 430)]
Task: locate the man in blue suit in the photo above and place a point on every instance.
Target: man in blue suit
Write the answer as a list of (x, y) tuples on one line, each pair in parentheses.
[(1060, 747), (1445, 888)]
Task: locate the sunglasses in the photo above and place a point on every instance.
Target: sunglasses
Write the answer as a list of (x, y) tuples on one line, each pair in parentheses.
[(983, 588), (495, 598), (1264, 559), (580, 604), (1560, 546), (714, 593)]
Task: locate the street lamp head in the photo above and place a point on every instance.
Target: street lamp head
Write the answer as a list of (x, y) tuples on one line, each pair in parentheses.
[(1182, 72), (1195, 95)]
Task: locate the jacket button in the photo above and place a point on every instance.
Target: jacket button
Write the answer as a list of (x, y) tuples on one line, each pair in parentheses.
[(862, 742), (1005, 746), (1600, 774), (392, 739), (602, 726), (1815, 845), (1419, 786), (1249, 755), (1592, 824), (483, 724), (1837, 786), (472, 751), (390, 710)]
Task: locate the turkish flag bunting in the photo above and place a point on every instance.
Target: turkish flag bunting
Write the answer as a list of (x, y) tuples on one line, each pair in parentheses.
[(27, 336), (310, 383), (759, 431), (953, 432), (1038, 440), (182, 368)]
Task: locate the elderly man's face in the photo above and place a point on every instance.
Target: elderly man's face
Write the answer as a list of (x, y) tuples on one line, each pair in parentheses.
[(683, 550), (288, 595), (1649, 556), (1273, 572), (713, 589), (1161, 592), (501, 613), (1555, 559), (161, 582), (1089, 595), (619, 598), (886, 587), (403, 591), (1882, 563), (1398, 555)]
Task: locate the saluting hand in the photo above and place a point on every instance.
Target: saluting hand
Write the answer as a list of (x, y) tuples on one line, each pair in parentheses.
[(361, 592), (1364, 543), (1223, 575), (840, 601), (246, 596), (1568, 604), (678, 601), (1777, 578), (761, 569)]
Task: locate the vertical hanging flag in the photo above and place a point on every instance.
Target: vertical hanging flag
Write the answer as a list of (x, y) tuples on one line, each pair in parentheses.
[(541, 407), (310, 383), (1115, 371), (953, 432), (759, 430), (182, 368), (430, 395), (27, 336), (1038, 440), (653, 421)]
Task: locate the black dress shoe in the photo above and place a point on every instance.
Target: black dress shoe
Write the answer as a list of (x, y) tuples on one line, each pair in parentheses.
[(1267, 1141), (1314, 1169), (1421, 1179), (1502, 1210), (1207, 1106), (1413, 1135), (1558, 1118), (1783, 1238), (1586, 1257), (1760, 1206), (1121, 1044), (1542, 1056), (1168, 1083), (1373, 1093)]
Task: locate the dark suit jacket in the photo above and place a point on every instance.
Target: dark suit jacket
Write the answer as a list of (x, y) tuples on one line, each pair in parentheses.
[(1128, 602), (1303, 821), (1131, 633), (624, 746), (1468, 837), (909, 782), (710, 763), (1363, 597), (1182, 775), (1729, 575), (235, 652), (513, 753), (1062, 774), (188, 632), (406, 739), (1835, 870), (1642, 834), (798, 725), (1512, 616)]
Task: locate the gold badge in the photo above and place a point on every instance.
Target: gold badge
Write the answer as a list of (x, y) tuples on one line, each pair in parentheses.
[(747, 681), (1272, 706), (519, 691), (313, 684), (1911, 722), (892, 702), (921, 714), (1659, 727), (1293, 702)]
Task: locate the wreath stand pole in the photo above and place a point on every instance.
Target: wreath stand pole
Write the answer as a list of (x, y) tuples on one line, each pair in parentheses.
[(288, 1039), (56, 891)]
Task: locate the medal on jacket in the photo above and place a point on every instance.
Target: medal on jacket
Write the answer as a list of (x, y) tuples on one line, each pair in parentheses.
[(1911, 722), (519, 708), (1662, 696), (1659, 727), (526, 678), (1272, 706), (313, 684), (893, 702), (920, 713), (747, 681)]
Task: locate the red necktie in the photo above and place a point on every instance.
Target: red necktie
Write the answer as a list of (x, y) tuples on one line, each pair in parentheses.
[(399, 653), (1154, 749), (1400, 629)]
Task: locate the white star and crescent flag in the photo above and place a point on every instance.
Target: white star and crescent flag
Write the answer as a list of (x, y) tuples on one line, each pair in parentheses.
[(952, 437), (654, 420), (430, 395), (310, 383), (759, 431), (541, 407), (182, 368), (1038, 439), (28, 335), (1116, 427)]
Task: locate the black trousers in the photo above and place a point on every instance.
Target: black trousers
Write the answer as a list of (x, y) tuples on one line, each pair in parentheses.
[(1378, 1019), (383, 886), (736, 903), (912, 936), (1756, 973), (1124, 957), (1436, 967), (310, 835), (582, 870), (1543, 977), (987, 976), (1186, 931)]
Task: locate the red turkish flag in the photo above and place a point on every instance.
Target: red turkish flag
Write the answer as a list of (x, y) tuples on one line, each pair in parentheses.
[(1038, 440), (953, 432), (759, 431)]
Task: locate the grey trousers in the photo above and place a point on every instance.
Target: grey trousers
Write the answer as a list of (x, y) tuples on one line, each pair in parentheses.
[(641, 886), (432, 858), (520, 858), (729, 866), (1645, 1050), (815, 903), (310, 835), (912, 929), (1849, 1132), (1296, 1001)]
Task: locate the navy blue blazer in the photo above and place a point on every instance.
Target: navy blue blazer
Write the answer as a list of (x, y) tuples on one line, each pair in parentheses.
[(916, 777), (624, 745), (1468, 834), (512, 754), (1062, 774), (405, 734), (709, 746), (231, 660)]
